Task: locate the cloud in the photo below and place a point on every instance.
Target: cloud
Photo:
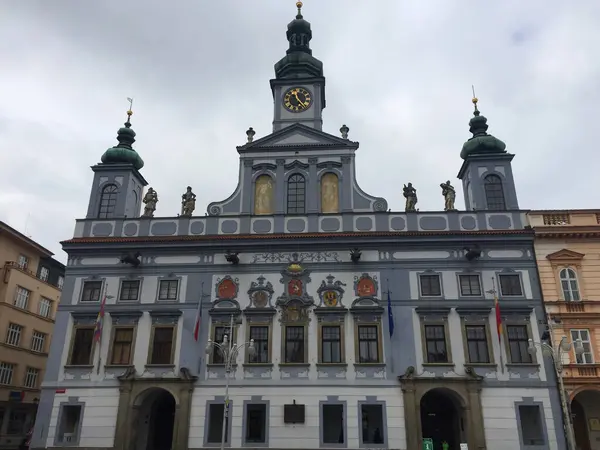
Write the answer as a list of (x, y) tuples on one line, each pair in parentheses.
[(399, 74)]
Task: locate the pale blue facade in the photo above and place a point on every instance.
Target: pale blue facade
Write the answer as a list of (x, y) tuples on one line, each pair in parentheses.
[(296, 273)]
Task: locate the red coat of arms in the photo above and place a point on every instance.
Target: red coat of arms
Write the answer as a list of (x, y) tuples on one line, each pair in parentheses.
[(366, 287), (226, 289), (295, 288)]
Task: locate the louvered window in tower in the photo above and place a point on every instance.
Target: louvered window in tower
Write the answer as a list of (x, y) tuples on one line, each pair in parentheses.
[(296, 194), (108, 201), (494, 193)]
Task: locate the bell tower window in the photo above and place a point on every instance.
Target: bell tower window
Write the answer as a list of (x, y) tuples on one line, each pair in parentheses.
[(296, 194), (494, 193), (108, 201)]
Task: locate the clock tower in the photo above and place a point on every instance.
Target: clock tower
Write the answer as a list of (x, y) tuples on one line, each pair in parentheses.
[(299, 86)]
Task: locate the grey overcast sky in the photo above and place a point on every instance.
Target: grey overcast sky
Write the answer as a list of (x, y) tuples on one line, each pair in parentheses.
[(399, 74)]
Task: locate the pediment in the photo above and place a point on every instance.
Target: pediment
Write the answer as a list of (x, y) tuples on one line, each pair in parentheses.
[(297, 135), (565, 255)]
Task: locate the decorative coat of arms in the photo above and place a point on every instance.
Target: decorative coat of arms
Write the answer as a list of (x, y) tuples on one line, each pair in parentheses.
[(295, 278), (366, 288), (226, 292), (331, 293), (260, 293)]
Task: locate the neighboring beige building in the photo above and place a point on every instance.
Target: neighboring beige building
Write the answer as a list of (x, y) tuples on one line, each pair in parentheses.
[(30, 287), (567, 247)]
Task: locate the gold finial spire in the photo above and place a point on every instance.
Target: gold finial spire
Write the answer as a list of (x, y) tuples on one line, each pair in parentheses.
[(299, 6), (130, 110), (475, 100)]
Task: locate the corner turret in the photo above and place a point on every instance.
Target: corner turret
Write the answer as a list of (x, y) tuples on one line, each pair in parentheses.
[(118, 185), (486, 173)]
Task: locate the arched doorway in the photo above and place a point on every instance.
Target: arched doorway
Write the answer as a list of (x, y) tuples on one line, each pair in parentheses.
[(441, 418), (585, 413), (155, 420)]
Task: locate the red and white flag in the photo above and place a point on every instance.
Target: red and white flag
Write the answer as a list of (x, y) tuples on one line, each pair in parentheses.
[(197, 324)]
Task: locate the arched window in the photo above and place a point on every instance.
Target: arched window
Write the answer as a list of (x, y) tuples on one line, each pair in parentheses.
[(568, 283), (330, 199), (108, 201), (296, 194), (263, 195), (494, 193)]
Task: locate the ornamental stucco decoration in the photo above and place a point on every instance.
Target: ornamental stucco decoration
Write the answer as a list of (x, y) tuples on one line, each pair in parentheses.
[(331, 293)]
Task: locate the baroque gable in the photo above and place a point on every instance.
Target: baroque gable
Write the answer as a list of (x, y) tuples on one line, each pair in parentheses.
[(297, 135)]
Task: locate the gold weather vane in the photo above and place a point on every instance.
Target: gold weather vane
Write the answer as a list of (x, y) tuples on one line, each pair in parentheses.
[(130, 110), (475, 99)]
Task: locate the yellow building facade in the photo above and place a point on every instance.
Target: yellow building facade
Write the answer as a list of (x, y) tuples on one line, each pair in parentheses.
[(30, 287), (568, 255)]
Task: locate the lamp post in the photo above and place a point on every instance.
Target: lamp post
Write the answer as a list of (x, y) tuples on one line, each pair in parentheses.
[(557, 353), (230, 352)]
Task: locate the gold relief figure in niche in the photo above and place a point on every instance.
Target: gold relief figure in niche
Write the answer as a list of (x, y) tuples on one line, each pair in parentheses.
[(329, 193), (263, 195)]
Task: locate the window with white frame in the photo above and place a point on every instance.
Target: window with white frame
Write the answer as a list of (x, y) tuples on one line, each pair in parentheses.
[(587, 357), (44, 273), (31, 377), (569, 285), (23, 261), (38, 342), (61, 281), (45, 308), (6, 372), (13, 335), (22, 297)]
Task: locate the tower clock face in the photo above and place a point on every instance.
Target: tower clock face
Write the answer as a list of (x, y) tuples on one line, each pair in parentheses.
[(297, 100)]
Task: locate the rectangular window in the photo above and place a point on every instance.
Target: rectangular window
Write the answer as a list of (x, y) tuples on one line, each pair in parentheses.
[(477, 344), (430, 285), (13, 334), (215, 423), (38, 342), (368, 344), (130, 291), (162, 346), (122, 346), (256, 423), (31, 377), (6, 373), (16, 422), (45, 307), (332, 424), (372, 424), (91, 291), (518, 344), (23, 262), (531, 425), (469, 285), (68, 428), (44, 272), (510, 285), (331, 344), (218, 334), (61, 282), (82, 346), (168, 290), (22, 297), (260, 334), (294, 344), (435, 344), (587, 357)]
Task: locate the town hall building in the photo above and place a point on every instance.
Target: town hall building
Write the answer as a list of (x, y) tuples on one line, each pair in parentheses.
[(326, 320)]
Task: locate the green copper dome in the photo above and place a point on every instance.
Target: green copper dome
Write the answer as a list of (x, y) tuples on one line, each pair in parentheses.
[(123, 153), (481, 143)]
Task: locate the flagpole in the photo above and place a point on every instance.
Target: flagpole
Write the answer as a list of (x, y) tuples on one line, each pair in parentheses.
[(498, 322), (101, 321), (390, 321)]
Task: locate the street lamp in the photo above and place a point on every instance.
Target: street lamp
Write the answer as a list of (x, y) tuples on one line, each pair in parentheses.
[(557, 353), (230, 352)]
